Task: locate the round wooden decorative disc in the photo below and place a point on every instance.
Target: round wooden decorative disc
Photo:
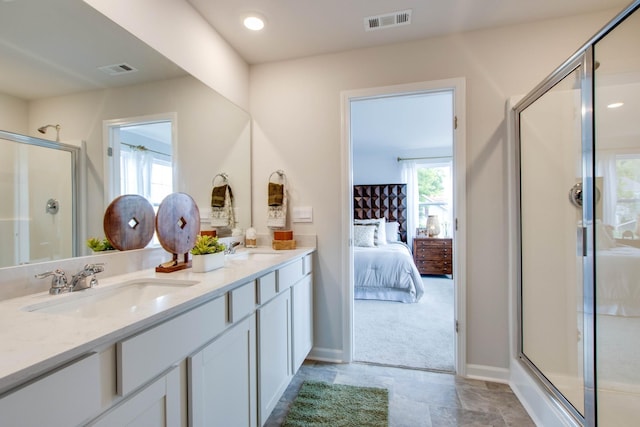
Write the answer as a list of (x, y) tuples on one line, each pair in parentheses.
[(129, 222), (178, 223)]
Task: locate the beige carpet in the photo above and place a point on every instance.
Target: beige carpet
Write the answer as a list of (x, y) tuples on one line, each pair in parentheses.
[(417, 335)]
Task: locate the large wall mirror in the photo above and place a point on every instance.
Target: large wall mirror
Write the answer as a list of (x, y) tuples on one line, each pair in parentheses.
[(65, 64)]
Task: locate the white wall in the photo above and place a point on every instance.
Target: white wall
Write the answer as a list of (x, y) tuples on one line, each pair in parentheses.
[(296, 110), (376, 167), (212, 136), (13, 114)]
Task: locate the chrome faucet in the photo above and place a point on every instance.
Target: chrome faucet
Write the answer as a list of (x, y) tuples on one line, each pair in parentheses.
[(58, 281), (231, 249), (79, 280)]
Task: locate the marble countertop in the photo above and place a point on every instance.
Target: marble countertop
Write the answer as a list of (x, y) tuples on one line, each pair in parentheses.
[(31, 343)]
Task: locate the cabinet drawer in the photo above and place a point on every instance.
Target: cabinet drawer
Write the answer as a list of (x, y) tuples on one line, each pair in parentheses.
[(242, 301), (290, 274), (146, 355), (67, 397), (267, 287), (307, 264)]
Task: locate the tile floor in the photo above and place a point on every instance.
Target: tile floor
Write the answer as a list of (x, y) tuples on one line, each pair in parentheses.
[(418, 398)]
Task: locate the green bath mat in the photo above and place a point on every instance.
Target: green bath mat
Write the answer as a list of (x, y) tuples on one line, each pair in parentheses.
[(336, 405)]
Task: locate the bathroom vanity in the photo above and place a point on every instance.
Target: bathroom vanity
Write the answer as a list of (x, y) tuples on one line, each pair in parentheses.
[(198, 349)]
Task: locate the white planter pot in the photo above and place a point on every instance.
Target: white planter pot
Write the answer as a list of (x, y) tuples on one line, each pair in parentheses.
[(208, 262)]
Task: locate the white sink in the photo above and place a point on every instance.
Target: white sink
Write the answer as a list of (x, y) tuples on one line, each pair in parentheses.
[(126, 296), (253, 256)]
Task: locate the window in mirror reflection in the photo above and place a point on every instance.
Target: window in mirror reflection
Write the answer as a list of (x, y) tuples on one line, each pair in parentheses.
[(140, 158)]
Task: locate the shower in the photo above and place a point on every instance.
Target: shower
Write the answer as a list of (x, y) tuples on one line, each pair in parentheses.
[(43, 129), (578, 257)]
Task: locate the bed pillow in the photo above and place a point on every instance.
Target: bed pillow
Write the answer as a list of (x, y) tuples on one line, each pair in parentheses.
[(363, 235), (380, 236), (604, 236), (391, 230)]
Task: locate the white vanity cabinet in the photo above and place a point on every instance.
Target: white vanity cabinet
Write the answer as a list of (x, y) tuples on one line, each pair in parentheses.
[(222, 380), (301, 321), (222, 376), (285, 333), (224, 362), (68, 396), (157, 404), (274, 355)]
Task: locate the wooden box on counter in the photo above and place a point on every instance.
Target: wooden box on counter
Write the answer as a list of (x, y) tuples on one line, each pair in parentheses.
[(433, 255), (283, 244)]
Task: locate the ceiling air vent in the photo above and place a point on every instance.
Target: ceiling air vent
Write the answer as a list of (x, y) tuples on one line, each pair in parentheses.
[(387, 20), (117, 69)]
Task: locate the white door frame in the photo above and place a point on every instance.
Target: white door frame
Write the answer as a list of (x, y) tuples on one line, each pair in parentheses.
[(459, 197)]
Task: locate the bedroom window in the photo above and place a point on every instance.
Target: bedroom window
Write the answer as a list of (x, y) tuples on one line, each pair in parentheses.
[(435, 194), (627, 194)]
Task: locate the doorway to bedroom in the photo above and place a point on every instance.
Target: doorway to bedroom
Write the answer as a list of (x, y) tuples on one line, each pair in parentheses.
[(403, 142)]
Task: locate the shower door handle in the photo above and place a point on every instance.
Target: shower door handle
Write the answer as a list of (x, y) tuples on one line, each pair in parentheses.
[(582, 242), (575, 195)]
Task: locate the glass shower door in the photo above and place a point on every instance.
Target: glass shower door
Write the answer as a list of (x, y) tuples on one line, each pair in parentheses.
[(617, 255), (550, 152)]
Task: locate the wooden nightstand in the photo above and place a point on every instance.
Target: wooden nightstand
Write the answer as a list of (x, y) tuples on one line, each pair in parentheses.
[(433, 255)]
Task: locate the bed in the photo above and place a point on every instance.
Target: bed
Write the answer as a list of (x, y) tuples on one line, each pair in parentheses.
[(617, 277), (383, 263), (617, 271)]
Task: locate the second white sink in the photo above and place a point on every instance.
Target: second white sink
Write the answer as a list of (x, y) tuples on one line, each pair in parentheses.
[(253, 256), (97, 302)]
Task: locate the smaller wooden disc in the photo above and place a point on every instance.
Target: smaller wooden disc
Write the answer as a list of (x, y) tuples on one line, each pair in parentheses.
[(129, 222), (178, 223)]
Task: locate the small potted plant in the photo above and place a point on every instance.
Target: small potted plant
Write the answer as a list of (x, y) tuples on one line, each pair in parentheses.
[(208, 254), (99, 245)]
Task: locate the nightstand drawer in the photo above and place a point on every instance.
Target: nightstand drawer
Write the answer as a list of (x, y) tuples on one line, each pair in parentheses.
[(433, 243), (432, 253)]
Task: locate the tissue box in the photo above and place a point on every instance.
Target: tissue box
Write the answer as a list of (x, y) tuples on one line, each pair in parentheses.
[(282, 235)]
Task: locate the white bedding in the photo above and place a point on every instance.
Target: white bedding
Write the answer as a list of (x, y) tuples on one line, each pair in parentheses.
[(618, 281), (386, 273)]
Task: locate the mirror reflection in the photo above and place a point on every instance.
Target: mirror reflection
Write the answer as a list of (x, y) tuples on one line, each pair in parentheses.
[(75, 70)]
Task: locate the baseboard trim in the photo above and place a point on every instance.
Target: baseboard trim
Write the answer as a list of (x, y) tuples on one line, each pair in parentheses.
[(331, 355), (488, 373), (536, 401)]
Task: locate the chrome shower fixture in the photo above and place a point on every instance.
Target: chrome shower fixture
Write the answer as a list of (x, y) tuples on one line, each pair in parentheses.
[(43, 129)]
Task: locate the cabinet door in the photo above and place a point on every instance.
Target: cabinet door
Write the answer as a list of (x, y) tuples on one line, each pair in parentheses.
[(156, 405), (302, 321), (65, 397), (222, 380), (274, 360)]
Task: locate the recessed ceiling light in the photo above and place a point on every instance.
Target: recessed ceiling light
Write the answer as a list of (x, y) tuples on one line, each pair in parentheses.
[(254, 22), (615, 105)]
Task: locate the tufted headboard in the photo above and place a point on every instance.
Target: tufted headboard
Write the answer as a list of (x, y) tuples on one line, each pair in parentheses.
[(387, 201)]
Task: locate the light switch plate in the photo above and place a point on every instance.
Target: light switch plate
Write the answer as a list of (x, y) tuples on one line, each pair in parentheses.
[(302, 214)]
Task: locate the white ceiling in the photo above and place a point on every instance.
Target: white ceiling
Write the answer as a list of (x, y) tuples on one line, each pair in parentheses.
[(402, 123), (299, 28), (50, 48)]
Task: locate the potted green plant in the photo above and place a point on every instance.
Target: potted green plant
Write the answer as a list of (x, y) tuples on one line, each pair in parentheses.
[(208, 254), (99, 245)]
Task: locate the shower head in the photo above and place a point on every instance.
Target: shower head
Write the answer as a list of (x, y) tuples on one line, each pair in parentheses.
[(43, 129)]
